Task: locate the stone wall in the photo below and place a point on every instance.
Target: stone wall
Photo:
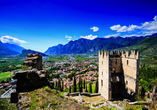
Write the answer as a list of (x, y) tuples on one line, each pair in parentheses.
[(31, 78)]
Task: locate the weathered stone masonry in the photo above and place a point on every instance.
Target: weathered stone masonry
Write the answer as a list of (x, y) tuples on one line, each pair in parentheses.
[(31, 78), (118, 74)]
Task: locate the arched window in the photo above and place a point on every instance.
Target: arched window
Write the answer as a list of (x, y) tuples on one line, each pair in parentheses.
[(117, 78)]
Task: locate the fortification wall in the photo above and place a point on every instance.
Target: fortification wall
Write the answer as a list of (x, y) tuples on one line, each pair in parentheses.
[(104, 75)]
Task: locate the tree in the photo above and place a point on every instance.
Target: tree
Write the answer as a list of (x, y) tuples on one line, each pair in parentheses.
[(86, 89), (62, 86), (96, 86), (80, 84), (84, 84), (74, 84), (59, 85), (90, 87), (70, 89), (56, 84), (143, 93)]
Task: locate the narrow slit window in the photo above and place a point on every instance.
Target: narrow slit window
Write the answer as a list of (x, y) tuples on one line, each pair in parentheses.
[(101, 82), (127, 62)]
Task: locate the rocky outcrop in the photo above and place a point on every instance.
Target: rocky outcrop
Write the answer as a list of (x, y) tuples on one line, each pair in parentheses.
[(31, 78)]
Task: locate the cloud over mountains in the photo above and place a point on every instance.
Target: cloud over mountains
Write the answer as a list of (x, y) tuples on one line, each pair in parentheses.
[(145, 28), (11, 40)]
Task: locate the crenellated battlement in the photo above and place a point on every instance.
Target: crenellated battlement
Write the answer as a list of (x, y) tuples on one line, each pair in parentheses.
[(103, 53), (121, 53)]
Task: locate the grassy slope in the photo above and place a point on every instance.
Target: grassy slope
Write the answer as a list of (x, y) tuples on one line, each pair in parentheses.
[(42, 97)]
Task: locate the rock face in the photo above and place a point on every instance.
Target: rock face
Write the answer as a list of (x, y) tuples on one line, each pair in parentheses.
[(32, 78)]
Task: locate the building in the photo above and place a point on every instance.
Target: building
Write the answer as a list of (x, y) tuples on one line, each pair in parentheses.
[(118, 74)]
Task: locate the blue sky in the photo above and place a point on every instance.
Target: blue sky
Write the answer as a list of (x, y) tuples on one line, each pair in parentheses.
[(39, 24)]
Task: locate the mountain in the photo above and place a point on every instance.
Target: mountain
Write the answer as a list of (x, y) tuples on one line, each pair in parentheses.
[(25, 52), (82, 45), (14, 47), (6, 51), (147, 47)]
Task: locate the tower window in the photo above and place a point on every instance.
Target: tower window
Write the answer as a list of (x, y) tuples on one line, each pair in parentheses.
[(127, 62), (101, 82), (102, 62), (102, 72)]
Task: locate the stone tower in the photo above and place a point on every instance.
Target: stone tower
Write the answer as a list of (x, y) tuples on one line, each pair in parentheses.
[(118, 74)]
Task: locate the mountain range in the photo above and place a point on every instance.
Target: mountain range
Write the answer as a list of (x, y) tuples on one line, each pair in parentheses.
[(82, 45), (25, 52), (85, 46), (9, 49)]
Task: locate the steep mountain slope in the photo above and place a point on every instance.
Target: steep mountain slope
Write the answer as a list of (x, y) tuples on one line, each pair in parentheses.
[(147, 47), (6, 51), (81, 46), (14, 47), (25, 52)]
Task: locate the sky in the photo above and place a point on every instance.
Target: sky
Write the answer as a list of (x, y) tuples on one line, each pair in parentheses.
[(40, 24)]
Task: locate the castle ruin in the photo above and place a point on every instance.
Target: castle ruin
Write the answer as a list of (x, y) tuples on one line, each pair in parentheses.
[(118, 74), (31, 78)]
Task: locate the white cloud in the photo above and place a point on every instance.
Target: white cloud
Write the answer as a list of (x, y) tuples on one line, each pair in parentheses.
[(122, 29), (11, 40), (91, 37), (155, 18), (115, 27), (112, 35), (95, 29), (145, 28), (68, 37), (132, 27)]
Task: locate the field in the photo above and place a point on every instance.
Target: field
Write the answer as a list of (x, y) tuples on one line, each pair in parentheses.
[(57, 58), (4, 74), (11, 63)]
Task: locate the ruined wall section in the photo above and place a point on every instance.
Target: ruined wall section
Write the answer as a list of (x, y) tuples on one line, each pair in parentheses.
[(33, 61), (104, 75), (130, 65)]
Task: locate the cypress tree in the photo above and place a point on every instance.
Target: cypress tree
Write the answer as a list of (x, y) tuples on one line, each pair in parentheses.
[(59, 85), (70, 89), (62, 86), (84, 84), (74, 85), (80, 84), (90, 87), (96, 86), (56, 85), (86, 89)]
